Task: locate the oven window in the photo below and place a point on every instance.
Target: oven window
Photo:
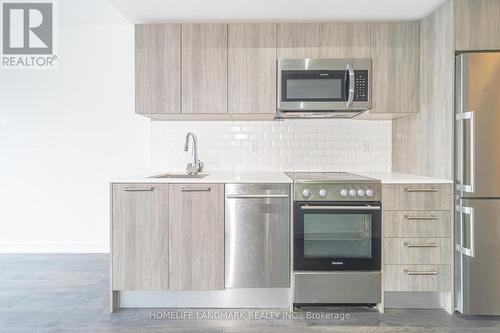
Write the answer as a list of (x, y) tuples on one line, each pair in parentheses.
[(337, 235), (313, 88)]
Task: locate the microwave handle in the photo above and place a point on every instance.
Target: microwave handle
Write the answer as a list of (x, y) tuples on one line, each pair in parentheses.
[(350, 97)]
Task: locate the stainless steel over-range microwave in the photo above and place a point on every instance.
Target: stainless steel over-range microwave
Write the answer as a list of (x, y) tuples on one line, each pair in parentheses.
[(323, 87)]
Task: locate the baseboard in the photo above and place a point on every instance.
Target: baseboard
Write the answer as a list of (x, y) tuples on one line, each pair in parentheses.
[(54, 247)]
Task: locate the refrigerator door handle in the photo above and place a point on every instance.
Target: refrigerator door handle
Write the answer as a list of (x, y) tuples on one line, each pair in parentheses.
[(464, 117), (468, 251)]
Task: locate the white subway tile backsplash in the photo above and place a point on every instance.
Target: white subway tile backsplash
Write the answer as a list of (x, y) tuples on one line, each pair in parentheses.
[(295, 145)]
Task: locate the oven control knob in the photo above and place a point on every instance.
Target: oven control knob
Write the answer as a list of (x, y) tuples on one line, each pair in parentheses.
[(369, 193), (361, 193), (322, 192), (344, 193), (306, 192), (352, 193)]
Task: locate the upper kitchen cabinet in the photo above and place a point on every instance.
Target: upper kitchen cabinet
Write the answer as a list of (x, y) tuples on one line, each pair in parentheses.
[(204, 69), (196, 236), (157, 69), (252, 69), (477, 25), (395, 52), (324, 40)]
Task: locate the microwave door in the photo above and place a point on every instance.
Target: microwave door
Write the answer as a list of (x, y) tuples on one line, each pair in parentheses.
[(324, 85), (314, 85), (314, 90)]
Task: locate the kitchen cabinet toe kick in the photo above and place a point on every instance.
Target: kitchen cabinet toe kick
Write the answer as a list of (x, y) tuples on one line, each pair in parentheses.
[(249, 298)]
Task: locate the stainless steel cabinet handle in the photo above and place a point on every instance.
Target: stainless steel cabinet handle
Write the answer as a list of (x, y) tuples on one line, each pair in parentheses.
[(431, 217), (408, 272), (341, 207), (196, 189), (139, 189), (421, 245), (350, 97), (255, 196), (430, 189)]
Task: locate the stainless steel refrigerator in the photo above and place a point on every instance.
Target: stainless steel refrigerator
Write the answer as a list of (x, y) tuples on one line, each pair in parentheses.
[(477, 183)]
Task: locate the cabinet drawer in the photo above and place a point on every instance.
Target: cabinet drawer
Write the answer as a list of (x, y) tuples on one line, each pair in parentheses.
[(416, 224), (417, 197), (417, 277), (417, 251)]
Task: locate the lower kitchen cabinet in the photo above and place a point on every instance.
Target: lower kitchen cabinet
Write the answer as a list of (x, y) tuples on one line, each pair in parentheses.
[(417, 250), (417, 197), (167, 237), (417, 242), (139, 256), (196, 237), (417, 277), (417, 223)]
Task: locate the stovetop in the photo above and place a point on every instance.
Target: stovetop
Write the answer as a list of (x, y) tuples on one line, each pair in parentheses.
[(328, 177)]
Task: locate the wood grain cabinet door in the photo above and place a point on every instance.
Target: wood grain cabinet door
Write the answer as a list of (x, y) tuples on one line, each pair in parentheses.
[(196, 238), (139, 237), (324, 40), (204, 68), (252, 68), (396, 66), (477, 25), (157, 68), (417, 196)]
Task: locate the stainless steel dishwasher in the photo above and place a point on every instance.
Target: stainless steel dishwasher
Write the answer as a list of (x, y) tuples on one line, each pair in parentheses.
[(257, 236)]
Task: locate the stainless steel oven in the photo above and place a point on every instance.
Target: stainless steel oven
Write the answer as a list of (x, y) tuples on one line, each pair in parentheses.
[(337, 236), (328, 87)]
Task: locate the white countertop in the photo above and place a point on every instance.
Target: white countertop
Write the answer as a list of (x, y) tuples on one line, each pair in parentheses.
[(270, 177), (390, 177), (275, 177)]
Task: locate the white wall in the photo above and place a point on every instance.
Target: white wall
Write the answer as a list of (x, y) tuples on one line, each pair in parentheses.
[(63, 134), (294, 145)]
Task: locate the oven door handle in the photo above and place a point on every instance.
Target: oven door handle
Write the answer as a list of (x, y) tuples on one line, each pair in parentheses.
[(340, 207)]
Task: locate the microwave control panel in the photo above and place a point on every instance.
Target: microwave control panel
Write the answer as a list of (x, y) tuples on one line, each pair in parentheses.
[(361, 86)]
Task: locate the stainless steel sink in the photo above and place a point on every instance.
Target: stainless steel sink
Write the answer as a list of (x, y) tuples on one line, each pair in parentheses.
[(180, 175)]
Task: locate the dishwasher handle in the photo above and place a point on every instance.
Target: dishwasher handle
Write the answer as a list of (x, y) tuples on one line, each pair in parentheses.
[(256, 196)]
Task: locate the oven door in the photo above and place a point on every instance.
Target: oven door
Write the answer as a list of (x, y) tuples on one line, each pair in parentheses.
[(337, 236)]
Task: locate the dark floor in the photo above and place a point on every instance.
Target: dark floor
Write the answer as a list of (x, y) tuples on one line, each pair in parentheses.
[(69, 293)]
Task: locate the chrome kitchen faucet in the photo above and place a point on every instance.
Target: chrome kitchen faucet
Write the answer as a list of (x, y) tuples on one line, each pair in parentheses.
[(197, 165)]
